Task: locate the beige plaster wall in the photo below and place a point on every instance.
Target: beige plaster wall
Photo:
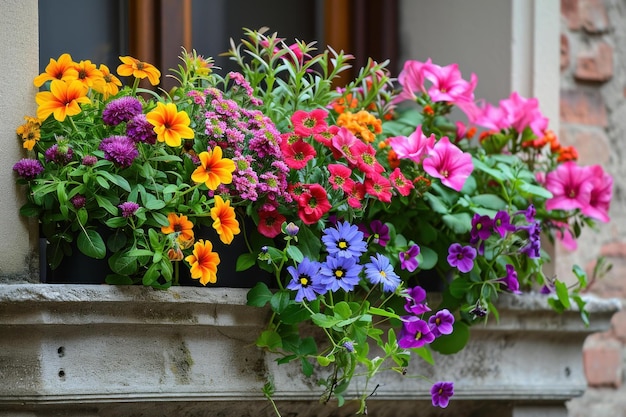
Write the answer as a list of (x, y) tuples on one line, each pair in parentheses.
[(19, 64)]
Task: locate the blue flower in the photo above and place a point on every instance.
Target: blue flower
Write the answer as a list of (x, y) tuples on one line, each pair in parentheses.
[(380, 271), (306, 280), (344, 241), (340, 272)]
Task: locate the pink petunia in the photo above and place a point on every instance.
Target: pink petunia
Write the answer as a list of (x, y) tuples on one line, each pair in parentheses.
[(347, 145), (411, 78), (571, 187), (448, 163), (601, 194), (414, 147), (448, 85)]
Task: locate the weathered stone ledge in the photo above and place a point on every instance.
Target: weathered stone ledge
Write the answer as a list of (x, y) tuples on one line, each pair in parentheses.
[(103, 350)]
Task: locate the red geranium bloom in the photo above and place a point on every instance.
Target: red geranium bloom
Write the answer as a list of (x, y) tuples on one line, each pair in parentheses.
[(357, 194), (313, 204), (400, 182), (307, 124), (379, 187), (339, 176), (270, 222), (297, 154)]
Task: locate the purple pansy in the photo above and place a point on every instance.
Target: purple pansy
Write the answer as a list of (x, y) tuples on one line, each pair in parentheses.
[(502, 223), (408, 258), (380, 271), (441, 392), (481, 227), (461, 257), (415, 333), (416, 301), (441, 322), (345, 240), (510, 280), (306, 280)]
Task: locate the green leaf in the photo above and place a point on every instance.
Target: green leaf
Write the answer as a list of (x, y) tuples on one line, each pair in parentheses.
[(280, 300), (436, 203), (491, 201), (82, 215), (459, 223), (116, 222), (459, 287), (122, 263), (342, 310), (151, 275), (384, 313), (116, 179), (535, 190), (269, 339), (562, 293), (448, 344), (294, 314), (324, 321), (106, 204), (424, 353), (294, 253), (307, 367), (91, 244), (245, 261), (259, 295), (581, 275), (323, 360)]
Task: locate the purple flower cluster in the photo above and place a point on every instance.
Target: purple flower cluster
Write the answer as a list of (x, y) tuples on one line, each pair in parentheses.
[(78, 201), (59, 155), (128, 208), (140, 130), (120, 150), (28, 168), (121, 110)]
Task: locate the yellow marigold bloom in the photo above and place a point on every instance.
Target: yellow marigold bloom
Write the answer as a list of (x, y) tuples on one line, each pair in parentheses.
[(203, 262), (62, 69), (362, 124), (88, 73), (224, 220), (181, 225), (170, 125), (30, 132), (138, 69), (213, 170), (109, 84), (63, 99)]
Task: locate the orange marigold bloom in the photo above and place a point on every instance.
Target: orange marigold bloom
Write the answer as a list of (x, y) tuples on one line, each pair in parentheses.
[(429, 110), (138, 69), (392, 158), (362, 124), (203, 262), (88, 73), (30, 132), (109, 84), (62, 69), (63, 99), (567, 153), (213, 170), (225, 222), (170, 125), (180, 225)]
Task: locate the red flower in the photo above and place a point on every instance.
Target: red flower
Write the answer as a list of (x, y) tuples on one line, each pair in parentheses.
[(379, 187), (326, 136), (270, 222), (297, 154), (340, 177), (400, 182), (366, 159), (313, 204), (357, 194), (306, 124)]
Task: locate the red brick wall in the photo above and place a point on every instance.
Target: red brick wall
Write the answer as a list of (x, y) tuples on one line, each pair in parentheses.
[(593, 118)]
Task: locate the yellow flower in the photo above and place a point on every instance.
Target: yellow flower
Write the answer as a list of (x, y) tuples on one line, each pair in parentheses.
[(30, 132), (181, 225), (62, 69), (108, 85), (203, 262), (170, 125), (213, 170), (88, 73), (63, 99), (225, 222), (138, 69)]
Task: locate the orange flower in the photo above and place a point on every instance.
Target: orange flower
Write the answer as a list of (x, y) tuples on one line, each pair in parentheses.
[(62, 69), (567, 153), (203, 262), (88, 73), (225, 222), (170, 125), (213, 170), (362, 124), (138, 69), (63, 100), (109, 84), (181, 225), (30, 132)]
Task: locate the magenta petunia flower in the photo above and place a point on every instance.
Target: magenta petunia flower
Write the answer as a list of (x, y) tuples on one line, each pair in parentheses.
[(414, 147), (461, 257), (415, 333), (411, 78), (448, 163), (571, 186), (448, 85), (408, 258), (416, 301), (441, 392), (601, 194)]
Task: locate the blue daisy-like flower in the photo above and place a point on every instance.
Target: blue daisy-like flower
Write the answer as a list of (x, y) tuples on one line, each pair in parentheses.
[(345, 241), (340, 272), (306, 279), (380, 271)]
